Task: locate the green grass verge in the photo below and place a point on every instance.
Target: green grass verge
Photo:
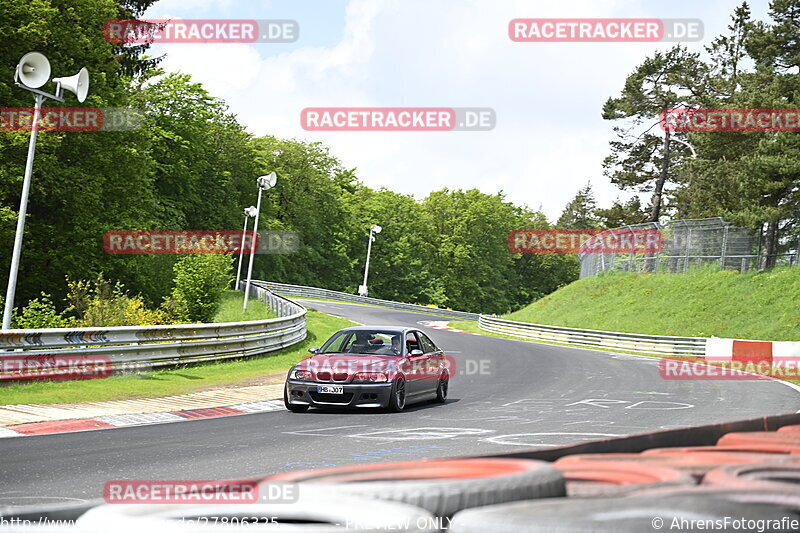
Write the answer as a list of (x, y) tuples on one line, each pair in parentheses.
[(174, 381), (701, 303), (230, 310)]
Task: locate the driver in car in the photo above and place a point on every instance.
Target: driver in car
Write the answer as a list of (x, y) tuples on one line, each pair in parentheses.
[(361, 344), (396, 347)]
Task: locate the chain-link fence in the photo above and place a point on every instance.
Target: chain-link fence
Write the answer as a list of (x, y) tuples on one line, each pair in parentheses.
[(689, 244)]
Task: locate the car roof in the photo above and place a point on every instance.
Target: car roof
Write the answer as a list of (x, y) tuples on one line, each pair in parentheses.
[(398, 329)]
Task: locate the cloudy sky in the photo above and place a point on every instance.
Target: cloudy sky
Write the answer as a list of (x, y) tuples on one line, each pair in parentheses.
[(549, 139)]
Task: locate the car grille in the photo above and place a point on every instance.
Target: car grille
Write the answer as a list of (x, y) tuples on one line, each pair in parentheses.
[(337, 376), (331, 398)]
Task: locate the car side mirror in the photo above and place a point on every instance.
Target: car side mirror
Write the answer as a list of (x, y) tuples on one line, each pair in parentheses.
[(314, 350), (416, 352)]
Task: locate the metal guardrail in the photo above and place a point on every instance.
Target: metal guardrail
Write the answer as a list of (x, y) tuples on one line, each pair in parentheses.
[(301, 291), (143, 347), (632, 342)]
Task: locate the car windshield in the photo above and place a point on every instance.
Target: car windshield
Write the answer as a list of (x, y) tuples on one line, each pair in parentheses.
[(365, 342)]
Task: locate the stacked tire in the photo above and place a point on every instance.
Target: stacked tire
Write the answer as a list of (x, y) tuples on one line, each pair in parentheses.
[(748, 481)]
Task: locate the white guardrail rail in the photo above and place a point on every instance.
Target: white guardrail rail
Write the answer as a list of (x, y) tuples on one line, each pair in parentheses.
[(145, 347), (300, 291), (630, 342)]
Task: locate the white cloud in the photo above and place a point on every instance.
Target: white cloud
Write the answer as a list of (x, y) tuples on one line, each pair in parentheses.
[(549, 140)]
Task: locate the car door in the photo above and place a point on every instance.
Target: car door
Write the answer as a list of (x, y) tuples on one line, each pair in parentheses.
[(429, 379), (416, 364)]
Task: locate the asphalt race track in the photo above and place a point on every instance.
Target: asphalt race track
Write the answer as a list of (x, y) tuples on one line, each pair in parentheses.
[(506, 395)]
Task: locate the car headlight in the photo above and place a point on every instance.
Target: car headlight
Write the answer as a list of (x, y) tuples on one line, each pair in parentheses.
[(302, 375), (370, 377)]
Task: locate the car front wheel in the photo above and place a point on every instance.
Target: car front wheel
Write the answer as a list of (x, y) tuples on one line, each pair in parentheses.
[(441, 389), (397, 399)]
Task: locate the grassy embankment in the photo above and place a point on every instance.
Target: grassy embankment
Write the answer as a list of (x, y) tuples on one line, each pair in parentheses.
[(701, 303), (186, 379)]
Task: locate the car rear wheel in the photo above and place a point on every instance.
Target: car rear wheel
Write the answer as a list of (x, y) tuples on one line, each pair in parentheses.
[(441, 389), (397, 399), (292, 407)]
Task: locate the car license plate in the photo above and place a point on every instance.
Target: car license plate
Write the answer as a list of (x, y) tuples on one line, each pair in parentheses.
[(330, 389)]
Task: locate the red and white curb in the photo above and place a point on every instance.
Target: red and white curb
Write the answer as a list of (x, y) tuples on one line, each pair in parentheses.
[(442, 324), (719, 349), (129, 420)]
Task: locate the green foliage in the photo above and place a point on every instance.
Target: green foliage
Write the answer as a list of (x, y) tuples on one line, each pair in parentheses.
[(230, 309), (41, 313), (200, 282), (101, 303), (621, 214), (579, 213)]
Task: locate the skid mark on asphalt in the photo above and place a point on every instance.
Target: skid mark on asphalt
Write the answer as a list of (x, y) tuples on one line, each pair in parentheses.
[(424, 433), (325, 432)]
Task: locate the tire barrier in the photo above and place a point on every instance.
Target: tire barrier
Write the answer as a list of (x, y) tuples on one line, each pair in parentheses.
[(315, 511), (694, 464), (788, 499), (588, 477), (756, 438), (442, 486), (774, 449), (634, 514), (756, 476)]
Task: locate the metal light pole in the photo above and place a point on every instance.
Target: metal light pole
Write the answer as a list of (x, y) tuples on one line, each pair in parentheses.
[(248, 212), (264, 183), (362, 289), (32, 72)]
